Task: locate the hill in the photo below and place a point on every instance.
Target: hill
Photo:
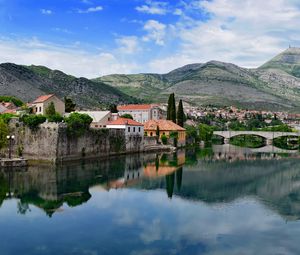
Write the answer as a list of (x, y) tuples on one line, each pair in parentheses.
[(28, 82), (273, 86)]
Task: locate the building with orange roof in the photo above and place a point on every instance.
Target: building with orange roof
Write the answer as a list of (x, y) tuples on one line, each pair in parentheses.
[(6, 107), (40, 104), (134, 132), (167, 128), (141, 112)]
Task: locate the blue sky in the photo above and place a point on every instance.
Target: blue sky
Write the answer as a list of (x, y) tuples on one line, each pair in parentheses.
[(98, 37)]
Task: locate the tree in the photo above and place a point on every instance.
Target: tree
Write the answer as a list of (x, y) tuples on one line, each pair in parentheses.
[(50, 110), (69, 105), (3, 133), (157, 133), (180, 114), (171, 111), (77, 123), (127, 116), (113, 108)]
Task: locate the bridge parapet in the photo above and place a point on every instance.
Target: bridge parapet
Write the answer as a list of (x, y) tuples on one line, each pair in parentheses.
[(264, 134)]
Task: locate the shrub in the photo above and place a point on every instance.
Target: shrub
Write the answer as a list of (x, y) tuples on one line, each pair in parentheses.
[(17, 102), (127, 116), (4, 131), (33, 121), (6, 117), (77, 123), (50, 110), (164, 139), (55, 118)]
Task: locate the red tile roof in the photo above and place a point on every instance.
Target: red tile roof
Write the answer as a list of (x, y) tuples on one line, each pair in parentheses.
[(8, 105), (124, 121), (43, 98), (132, 107), (164, 125)]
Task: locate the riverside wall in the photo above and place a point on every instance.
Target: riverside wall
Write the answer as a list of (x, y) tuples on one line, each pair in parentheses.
[(51, 142)]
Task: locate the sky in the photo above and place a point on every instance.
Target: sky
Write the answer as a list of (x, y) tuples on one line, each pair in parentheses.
[(91, 38)]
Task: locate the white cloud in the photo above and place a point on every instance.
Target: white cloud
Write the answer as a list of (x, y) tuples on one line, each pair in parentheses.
[(71, 60), (91, 9), (128, 44), (156, 32), (152, 7), (46, 12), (247, 33)]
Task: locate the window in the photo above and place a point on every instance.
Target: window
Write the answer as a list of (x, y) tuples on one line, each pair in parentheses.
[(40, 109), (139, 129), (128, 129), (133, 129), (151, 134)]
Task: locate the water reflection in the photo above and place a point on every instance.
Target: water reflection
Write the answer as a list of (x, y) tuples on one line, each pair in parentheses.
[(191, 202)]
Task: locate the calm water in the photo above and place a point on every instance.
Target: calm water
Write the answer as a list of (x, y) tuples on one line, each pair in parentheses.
[(221, 201)]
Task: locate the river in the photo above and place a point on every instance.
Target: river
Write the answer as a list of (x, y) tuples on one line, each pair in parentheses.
[(220, 200)]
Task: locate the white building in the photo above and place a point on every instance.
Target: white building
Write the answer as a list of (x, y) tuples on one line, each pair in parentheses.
[(141, 112), (100, 118), (134, 132)]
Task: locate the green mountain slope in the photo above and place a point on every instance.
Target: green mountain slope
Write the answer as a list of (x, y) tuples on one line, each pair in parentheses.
[(28, 82), (274, 86), (287, 61)]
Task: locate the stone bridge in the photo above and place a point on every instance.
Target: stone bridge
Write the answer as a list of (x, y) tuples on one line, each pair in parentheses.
[(269, 136)]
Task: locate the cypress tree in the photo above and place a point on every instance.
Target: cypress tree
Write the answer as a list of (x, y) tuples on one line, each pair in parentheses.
[(171, 112), (180, 114)]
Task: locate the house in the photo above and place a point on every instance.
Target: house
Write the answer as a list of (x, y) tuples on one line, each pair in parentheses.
[(141, 112), (134, 132), (40, 105), (7, 107), (167, 128), (100, 118)]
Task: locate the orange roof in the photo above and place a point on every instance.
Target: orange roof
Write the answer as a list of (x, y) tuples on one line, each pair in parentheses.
[(131, 107), (8, 105), (43, 98), (165, 125), (124, 121)]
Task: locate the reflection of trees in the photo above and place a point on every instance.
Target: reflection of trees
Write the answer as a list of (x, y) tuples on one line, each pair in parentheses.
[(170, 181), (275, 182), (179, 178)]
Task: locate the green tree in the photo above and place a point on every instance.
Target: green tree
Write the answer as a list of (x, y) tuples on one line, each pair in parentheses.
[(78, 123), (113, 108), (33, 121), (157, 133), (69, 105), (180, 114), (127, 116), (205, 132), (171, 111), (4, 131), (164, 139), (50, 110)]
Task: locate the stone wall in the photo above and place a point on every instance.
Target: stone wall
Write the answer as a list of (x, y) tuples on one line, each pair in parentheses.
[(51, 142)]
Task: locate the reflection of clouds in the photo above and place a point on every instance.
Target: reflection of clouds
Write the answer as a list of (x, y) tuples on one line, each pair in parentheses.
[(242, 227), (151, 231), (126, 217)]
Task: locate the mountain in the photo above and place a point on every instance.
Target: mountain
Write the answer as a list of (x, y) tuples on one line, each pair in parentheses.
[(28, 82), (273, 86)]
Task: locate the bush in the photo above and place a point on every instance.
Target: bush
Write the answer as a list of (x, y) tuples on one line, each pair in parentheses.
[(4, 131), (33, 121), (127, 116), (17, 102), (78, 123), (55, 118), (164, 139), (6, 117)]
